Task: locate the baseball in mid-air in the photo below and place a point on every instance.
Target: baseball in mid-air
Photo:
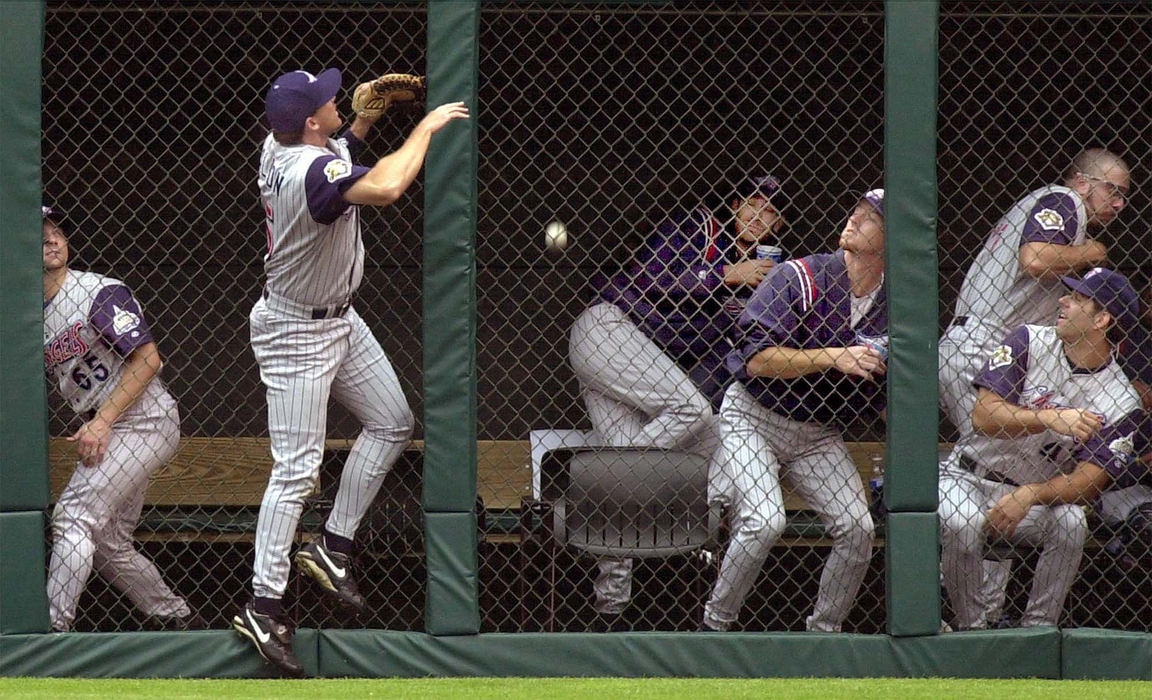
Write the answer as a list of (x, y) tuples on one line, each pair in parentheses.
[(556, 236)]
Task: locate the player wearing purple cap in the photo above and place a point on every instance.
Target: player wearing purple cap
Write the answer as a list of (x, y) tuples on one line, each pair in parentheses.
[(311, 344), (649, 351), (1043, 391), (810, 354), (100, 352)]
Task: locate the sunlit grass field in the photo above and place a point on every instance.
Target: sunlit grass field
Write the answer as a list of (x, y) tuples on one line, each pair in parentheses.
[(551, 688)]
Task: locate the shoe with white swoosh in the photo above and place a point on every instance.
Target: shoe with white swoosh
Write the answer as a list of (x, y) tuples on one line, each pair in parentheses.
[(333, 571), (273, 639)]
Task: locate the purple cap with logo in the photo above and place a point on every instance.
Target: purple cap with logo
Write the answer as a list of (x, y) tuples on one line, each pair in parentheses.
[(875, 198), (758, 184), (1111, 290), (54, 215), (297, 95)]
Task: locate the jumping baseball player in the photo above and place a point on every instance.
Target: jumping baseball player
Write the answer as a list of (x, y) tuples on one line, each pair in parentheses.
[(100, 353), (311, 344), (810, 354), (1043, 388), (649, 351), (1015, 279)]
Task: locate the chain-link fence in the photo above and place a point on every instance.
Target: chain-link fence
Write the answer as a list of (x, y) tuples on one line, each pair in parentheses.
[(638, 128), (1023, 90)]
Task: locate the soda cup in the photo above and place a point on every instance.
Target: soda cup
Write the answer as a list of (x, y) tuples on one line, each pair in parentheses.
[(879, 343), (770, 252)]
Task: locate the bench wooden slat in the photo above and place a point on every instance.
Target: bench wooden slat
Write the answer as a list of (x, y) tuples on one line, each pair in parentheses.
[(233, 471)]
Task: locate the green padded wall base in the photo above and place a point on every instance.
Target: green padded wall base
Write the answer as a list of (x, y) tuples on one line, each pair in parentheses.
[(912, 574), (23, 600), (1106, 655), (379, 653), (207, 654)]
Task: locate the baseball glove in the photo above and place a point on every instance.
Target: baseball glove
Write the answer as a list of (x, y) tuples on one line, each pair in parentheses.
[(374, 97)]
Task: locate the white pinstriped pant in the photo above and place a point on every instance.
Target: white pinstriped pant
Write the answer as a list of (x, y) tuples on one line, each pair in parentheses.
[(636, 396), (96, 515), (1060, 530), (759, 448), (302, 363)]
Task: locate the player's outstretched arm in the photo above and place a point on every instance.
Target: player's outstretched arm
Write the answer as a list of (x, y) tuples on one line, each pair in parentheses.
[(140, 367), (392, 174)]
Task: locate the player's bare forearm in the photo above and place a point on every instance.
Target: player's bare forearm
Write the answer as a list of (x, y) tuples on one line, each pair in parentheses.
[(361, 126), (1082, 485), (1050, 260), (996, 417), (140, 368), (789, 363), (392, 174)]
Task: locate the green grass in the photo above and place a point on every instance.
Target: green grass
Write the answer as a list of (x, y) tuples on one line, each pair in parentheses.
[(554, 688)]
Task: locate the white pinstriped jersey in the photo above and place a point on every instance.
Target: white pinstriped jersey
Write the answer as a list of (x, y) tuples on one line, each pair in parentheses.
[(90, 326), (995, 288), (1030, 369), (315, 253)]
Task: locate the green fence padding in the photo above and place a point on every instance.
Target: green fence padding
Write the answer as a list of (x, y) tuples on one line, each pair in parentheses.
[(910, 224), (450, 264), (1003, 654), (205, 654), (23, 425), (23, 600), (452, 605), (912, 574), (1096, 654)]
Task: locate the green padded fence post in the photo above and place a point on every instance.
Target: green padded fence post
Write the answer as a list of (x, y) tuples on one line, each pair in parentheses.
[(450, 326), (910, 44), (23, 426)]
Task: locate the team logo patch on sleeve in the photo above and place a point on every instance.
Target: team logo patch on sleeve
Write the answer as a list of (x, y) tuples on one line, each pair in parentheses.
[(1122, 447), (337, 169), (123, 320), (1001, 357), (1049, 219)]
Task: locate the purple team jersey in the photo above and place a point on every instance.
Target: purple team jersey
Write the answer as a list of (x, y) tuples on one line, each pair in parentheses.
[(806, 305), (674, 289), (1117, 448)]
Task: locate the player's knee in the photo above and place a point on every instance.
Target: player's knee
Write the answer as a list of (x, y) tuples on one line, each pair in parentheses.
[(856, 528), (1071, 525), (763, 526), (399, 429)]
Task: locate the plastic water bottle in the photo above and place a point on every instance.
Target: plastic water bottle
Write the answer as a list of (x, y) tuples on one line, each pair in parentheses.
[(876, 486)]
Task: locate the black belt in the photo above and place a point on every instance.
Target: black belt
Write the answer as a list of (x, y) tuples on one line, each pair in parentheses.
[(970, 465), (320, 313)]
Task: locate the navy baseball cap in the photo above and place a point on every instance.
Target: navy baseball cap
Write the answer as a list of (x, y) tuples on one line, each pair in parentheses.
[(875, 198), (297, 95), (1111, 290), (759, 184), (54, 214)]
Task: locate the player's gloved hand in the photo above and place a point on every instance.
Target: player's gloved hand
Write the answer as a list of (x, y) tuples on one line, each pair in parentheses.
[(749, 272), (373, 98), (92, 441)]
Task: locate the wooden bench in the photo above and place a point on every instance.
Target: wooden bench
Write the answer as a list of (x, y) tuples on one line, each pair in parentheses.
[(229, 474)]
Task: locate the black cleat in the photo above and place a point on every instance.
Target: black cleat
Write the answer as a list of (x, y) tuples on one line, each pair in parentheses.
[(273, 639), (333, 571)]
